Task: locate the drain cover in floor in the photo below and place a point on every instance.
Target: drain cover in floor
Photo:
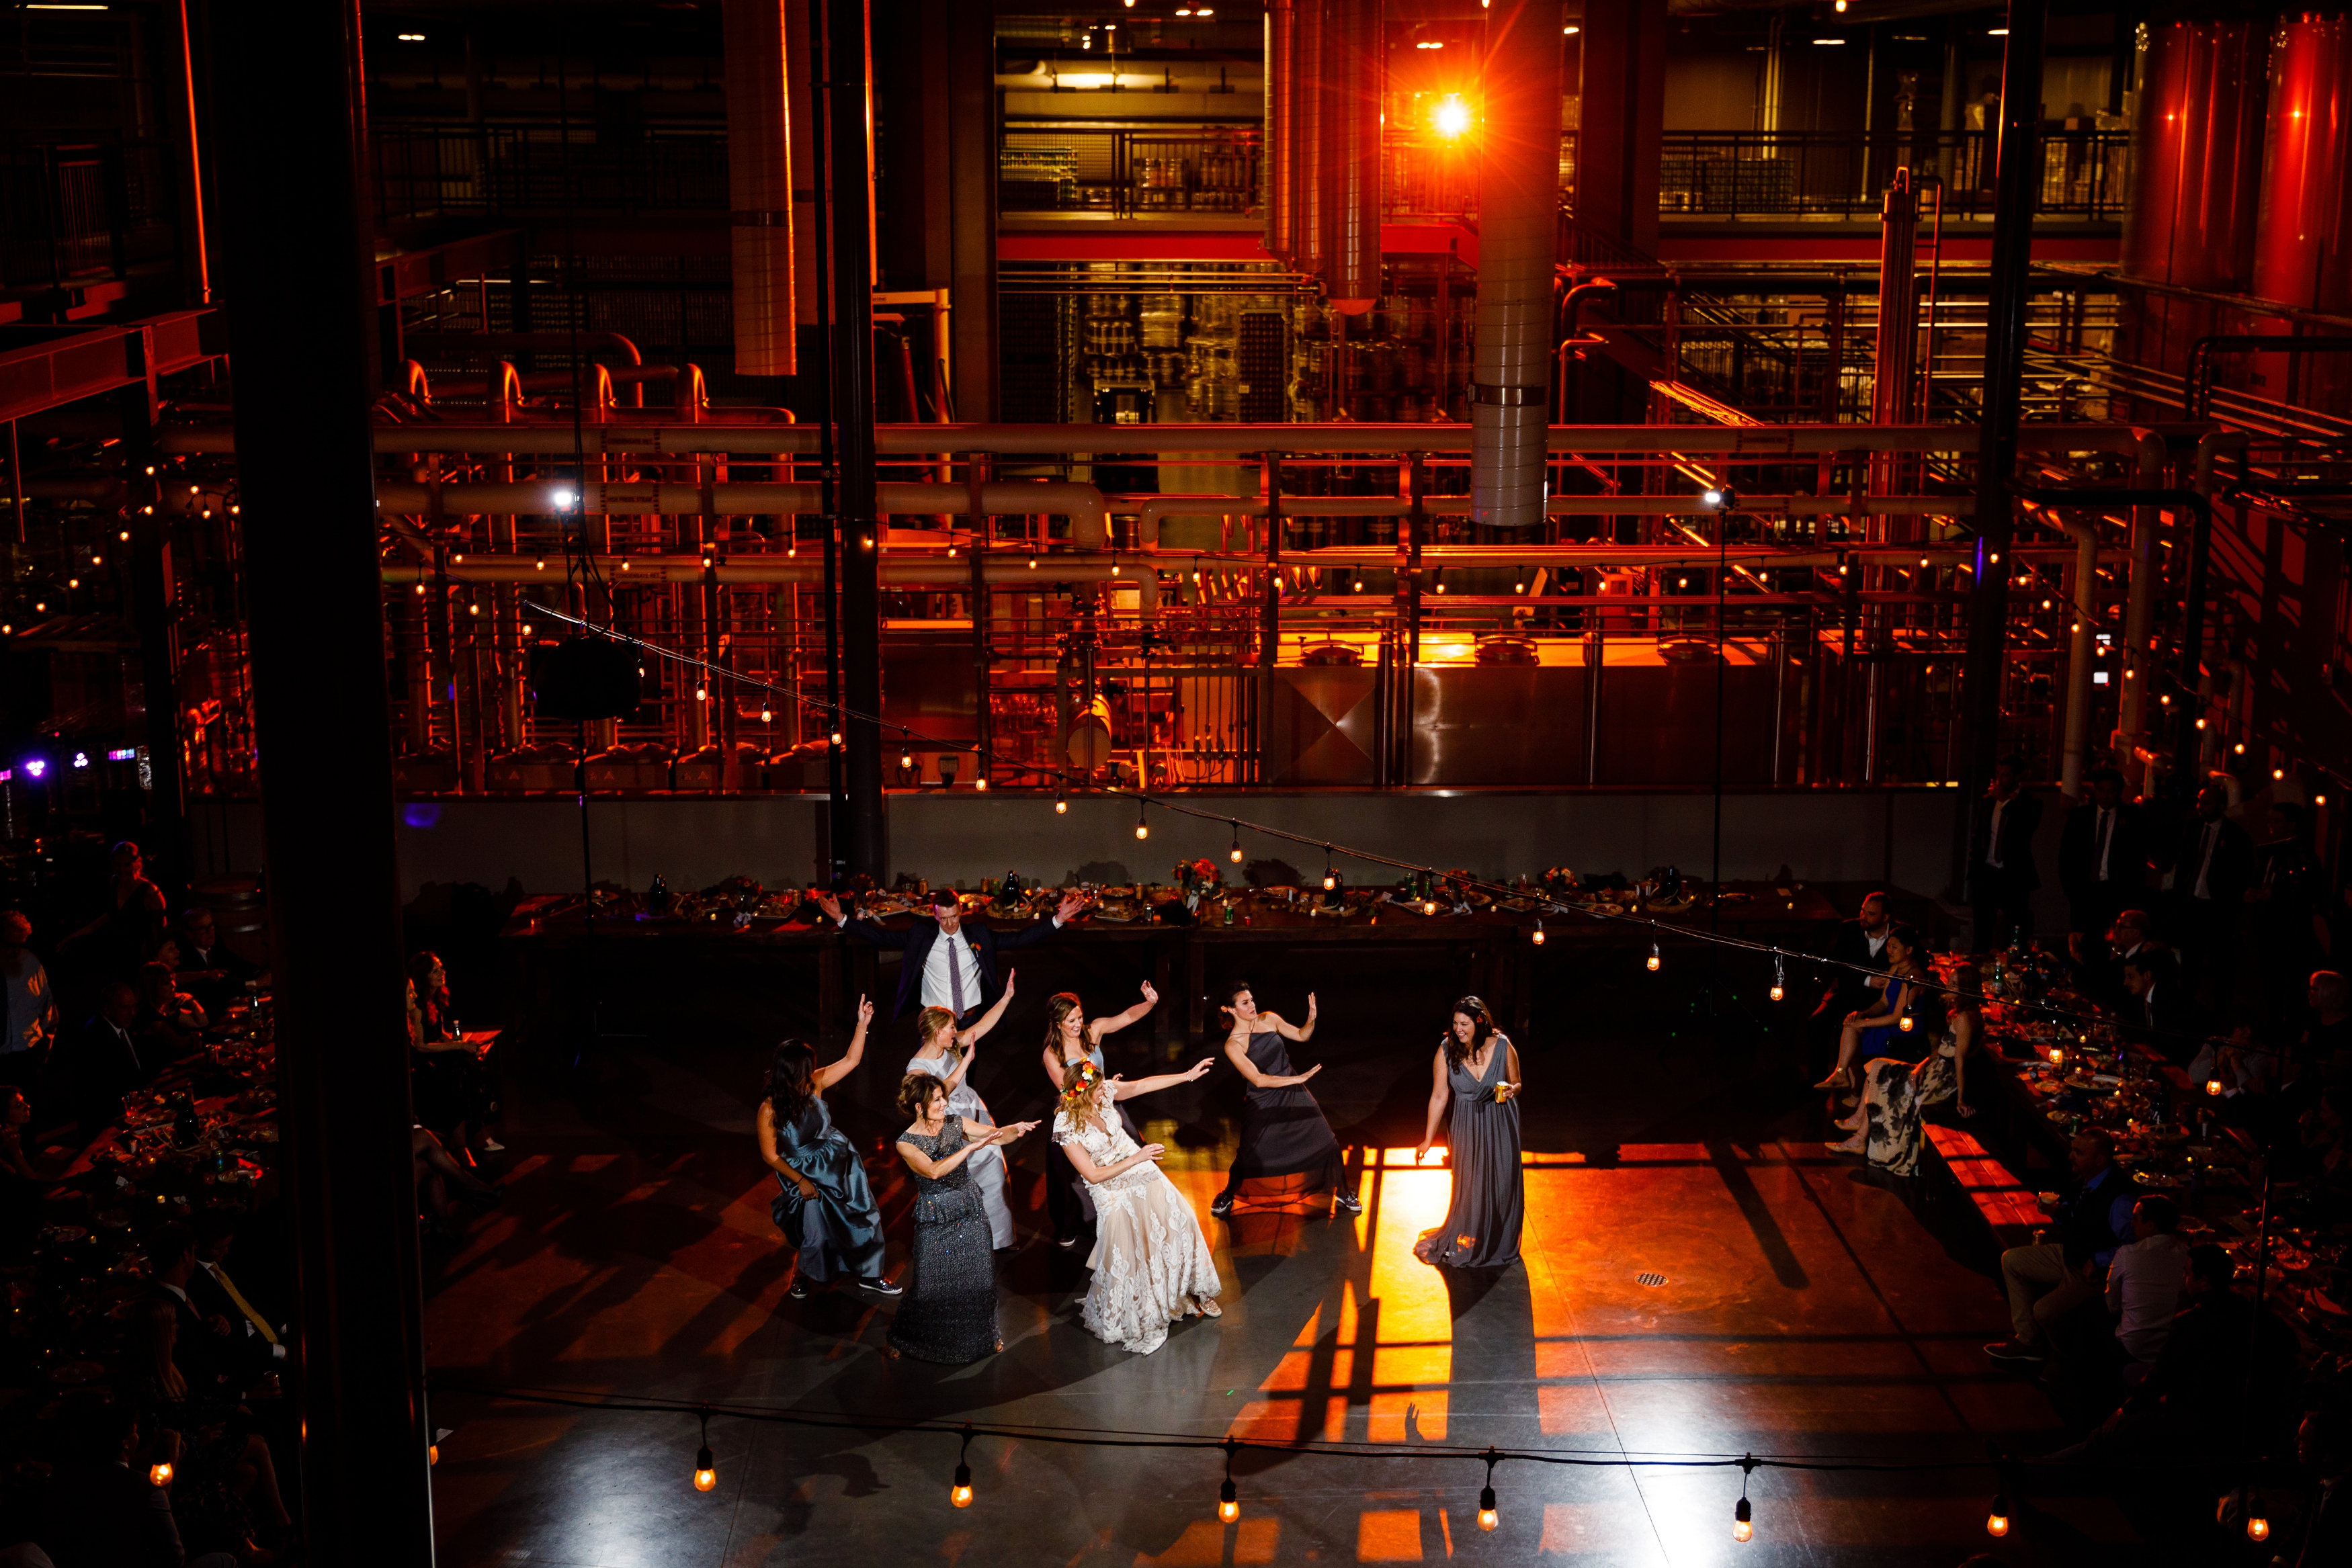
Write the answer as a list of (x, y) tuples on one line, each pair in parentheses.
[(1649, 1279)]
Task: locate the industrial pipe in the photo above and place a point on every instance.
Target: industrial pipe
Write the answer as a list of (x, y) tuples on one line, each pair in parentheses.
[(1311, 219), (1518, 216), (1275, 158), (760, 184), (1082, 504), (2078, 654), (1749, 443), (1355, 67)]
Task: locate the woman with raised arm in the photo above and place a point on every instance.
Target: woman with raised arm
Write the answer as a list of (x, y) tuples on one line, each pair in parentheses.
[(1887, 1125), (1152, 1264), (825, 1205), (1070, 1039), (949, 1313), (1284, 1131), (1476, 1074), (947, 1054)]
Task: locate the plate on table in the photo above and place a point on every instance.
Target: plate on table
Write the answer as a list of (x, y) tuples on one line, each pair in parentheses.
[(62, 1235)]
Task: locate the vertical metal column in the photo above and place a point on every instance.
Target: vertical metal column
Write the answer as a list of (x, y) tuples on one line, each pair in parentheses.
[(850, 181), (2016, 180), (1269, 624), (297, 253)]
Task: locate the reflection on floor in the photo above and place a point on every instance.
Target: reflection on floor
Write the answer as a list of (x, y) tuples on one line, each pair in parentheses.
[(1707, 1298)]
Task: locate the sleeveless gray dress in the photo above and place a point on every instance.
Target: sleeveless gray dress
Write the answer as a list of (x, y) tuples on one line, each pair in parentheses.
[(1482, 1223)]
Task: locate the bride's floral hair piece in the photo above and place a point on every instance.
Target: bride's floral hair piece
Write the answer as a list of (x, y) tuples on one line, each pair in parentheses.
[(1079, 1082)]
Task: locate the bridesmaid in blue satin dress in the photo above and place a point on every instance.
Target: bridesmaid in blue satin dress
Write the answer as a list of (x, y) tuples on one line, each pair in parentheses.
[(1477, 1075), (824, 1206)]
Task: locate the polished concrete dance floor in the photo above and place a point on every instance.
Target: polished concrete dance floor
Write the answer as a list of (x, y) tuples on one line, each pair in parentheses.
[(1711, 1285)]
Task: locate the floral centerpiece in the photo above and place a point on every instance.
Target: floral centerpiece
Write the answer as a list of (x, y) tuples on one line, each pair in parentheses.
[(1197, 879)]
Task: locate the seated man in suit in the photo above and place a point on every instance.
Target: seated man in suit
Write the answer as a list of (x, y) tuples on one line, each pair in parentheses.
[(948, 964), (2102, 861), (98, 1063), (1846, 987), (2160, 1009), (257, 1344), (209, 971)]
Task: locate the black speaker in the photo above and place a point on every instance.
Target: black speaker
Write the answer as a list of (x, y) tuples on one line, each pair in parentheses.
[(584, 677)]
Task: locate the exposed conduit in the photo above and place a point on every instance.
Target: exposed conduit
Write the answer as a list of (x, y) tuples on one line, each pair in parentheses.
[(1519, 218), (1355, 70), (1310, 220), (1275, 158)]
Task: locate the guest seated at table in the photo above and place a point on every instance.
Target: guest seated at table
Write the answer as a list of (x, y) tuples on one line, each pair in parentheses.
[(1873, 1031), (101, 1510), (454, 1093), (98, 1063), (28, 1004), (2144, 1283), (2133, 935), (440, 1181), (2327, 1038), (23, 1177), (2235, 1061), (1852, 980), (2193, 1400), (2161, 1012), (1887, 1125), (208, 970), (170, 1023), (258, 1341), (2321, 1157), (2050, 1278)]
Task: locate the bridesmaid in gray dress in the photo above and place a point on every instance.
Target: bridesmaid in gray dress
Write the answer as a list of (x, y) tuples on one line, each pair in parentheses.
[(1476, 1072), (950, 1312)]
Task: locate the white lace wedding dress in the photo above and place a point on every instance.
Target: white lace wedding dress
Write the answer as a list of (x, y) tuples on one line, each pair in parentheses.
[(1150, 1258)]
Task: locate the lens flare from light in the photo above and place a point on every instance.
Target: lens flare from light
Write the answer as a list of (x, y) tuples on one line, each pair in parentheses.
[(1450, 117)]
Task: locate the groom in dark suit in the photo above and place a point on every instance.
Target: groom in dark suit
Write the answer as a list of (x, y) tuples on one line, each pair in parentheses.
[(957, 973)]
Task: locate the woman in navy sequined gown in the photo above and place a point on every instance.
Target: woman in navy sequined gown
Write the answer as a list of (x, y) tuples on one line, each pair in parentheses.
[(949, 1313)]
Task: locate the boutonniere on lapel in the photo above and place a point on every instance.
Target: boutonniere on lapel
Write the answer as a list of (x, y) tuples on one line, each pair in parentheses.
[(975, 946)]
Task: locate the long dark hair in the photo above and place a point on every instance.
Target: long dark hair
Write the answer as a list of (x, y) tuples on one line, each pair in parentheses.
[(1481, 1024), (1059, 1006), (792, 1080)]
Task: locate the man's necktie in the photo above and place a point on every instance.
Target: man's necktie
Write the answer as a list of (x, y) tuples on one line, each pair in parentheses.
[(220, 1277), (2106, 829), (955, 975)]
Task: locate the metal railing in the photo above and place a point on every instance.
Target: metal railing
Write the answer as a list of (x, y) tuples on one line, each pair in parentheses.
[(79, 212), (431, 170), (1834, 173)]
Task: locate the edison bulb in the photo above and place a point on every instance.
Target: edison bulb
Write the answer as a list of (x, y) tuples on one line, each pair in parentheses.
[(1142, 829), (1997, 1525), (1778, 992), (1653, 963), (1228, 1512), (1906, 1023), (1237, 854), (705, 1479), (2212, 1086), (1743, 1530), (159, 1473), (1061, 808), (2257, 1528)]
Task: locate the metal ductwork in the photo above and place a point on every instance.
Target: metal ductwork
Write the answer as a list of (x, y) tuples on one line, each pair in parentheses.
[(760, 184), (1280, 189), (1519, 218), (1354, 69), (2197, 152), (1311, 218)]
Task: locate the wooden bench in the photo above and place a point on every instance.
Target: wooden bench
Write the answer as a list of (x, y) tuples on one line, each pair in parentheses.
[(2009, 1209)]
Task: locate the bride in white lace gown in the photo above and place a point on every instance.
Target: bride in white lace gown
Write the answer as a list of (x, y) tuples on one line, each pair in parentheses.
[(1152, 1264)]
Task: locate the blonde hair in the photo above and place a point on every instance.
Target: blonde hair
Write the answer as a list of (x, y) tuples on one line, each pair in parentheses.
[(932, 1021)]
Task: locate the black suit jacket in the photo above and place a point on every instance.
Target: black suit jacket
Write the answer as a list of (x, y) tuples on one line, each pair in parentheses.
[(91, 1069), (2173, 1024), (915, 942), (1845, 990), (215, 995), (2078, 856), (247, 1353), (210, 1362), (2018, 825), (2233, 870)]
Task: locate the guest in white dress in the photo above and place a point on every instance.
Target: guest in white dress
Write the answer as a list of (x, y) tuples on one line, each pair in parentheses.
[(1152, 1264), (947, 1054)]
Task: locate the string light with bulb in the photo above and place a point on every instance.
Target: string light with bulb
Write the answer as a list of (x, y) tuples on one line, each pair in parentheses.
[(1229, 1504), (959, 1493), (1656, 958), (1538, 937), (1235, 853), (1487, 1518), (1142, 827), (1061, 804), (706, 1469), (1743, 1520), (1997, 1521), (159, 1474), (1779, 974), (1330, 877)]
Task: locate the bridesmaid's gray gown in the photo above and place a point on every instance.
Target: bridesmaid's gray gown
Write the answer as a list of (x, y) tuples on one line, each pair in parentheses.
[(950, 1310), (1482, 1224)]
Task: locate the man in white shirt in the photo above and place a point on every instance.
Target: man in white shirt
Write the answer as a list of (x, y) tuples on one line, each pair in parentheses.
[(2143, 1283), (949, 964)]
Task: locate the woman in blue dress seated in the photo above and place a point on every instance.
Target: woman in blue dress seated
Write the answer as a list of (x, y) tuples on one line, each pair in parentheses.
[(824, 1206), (1879, 1029)]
